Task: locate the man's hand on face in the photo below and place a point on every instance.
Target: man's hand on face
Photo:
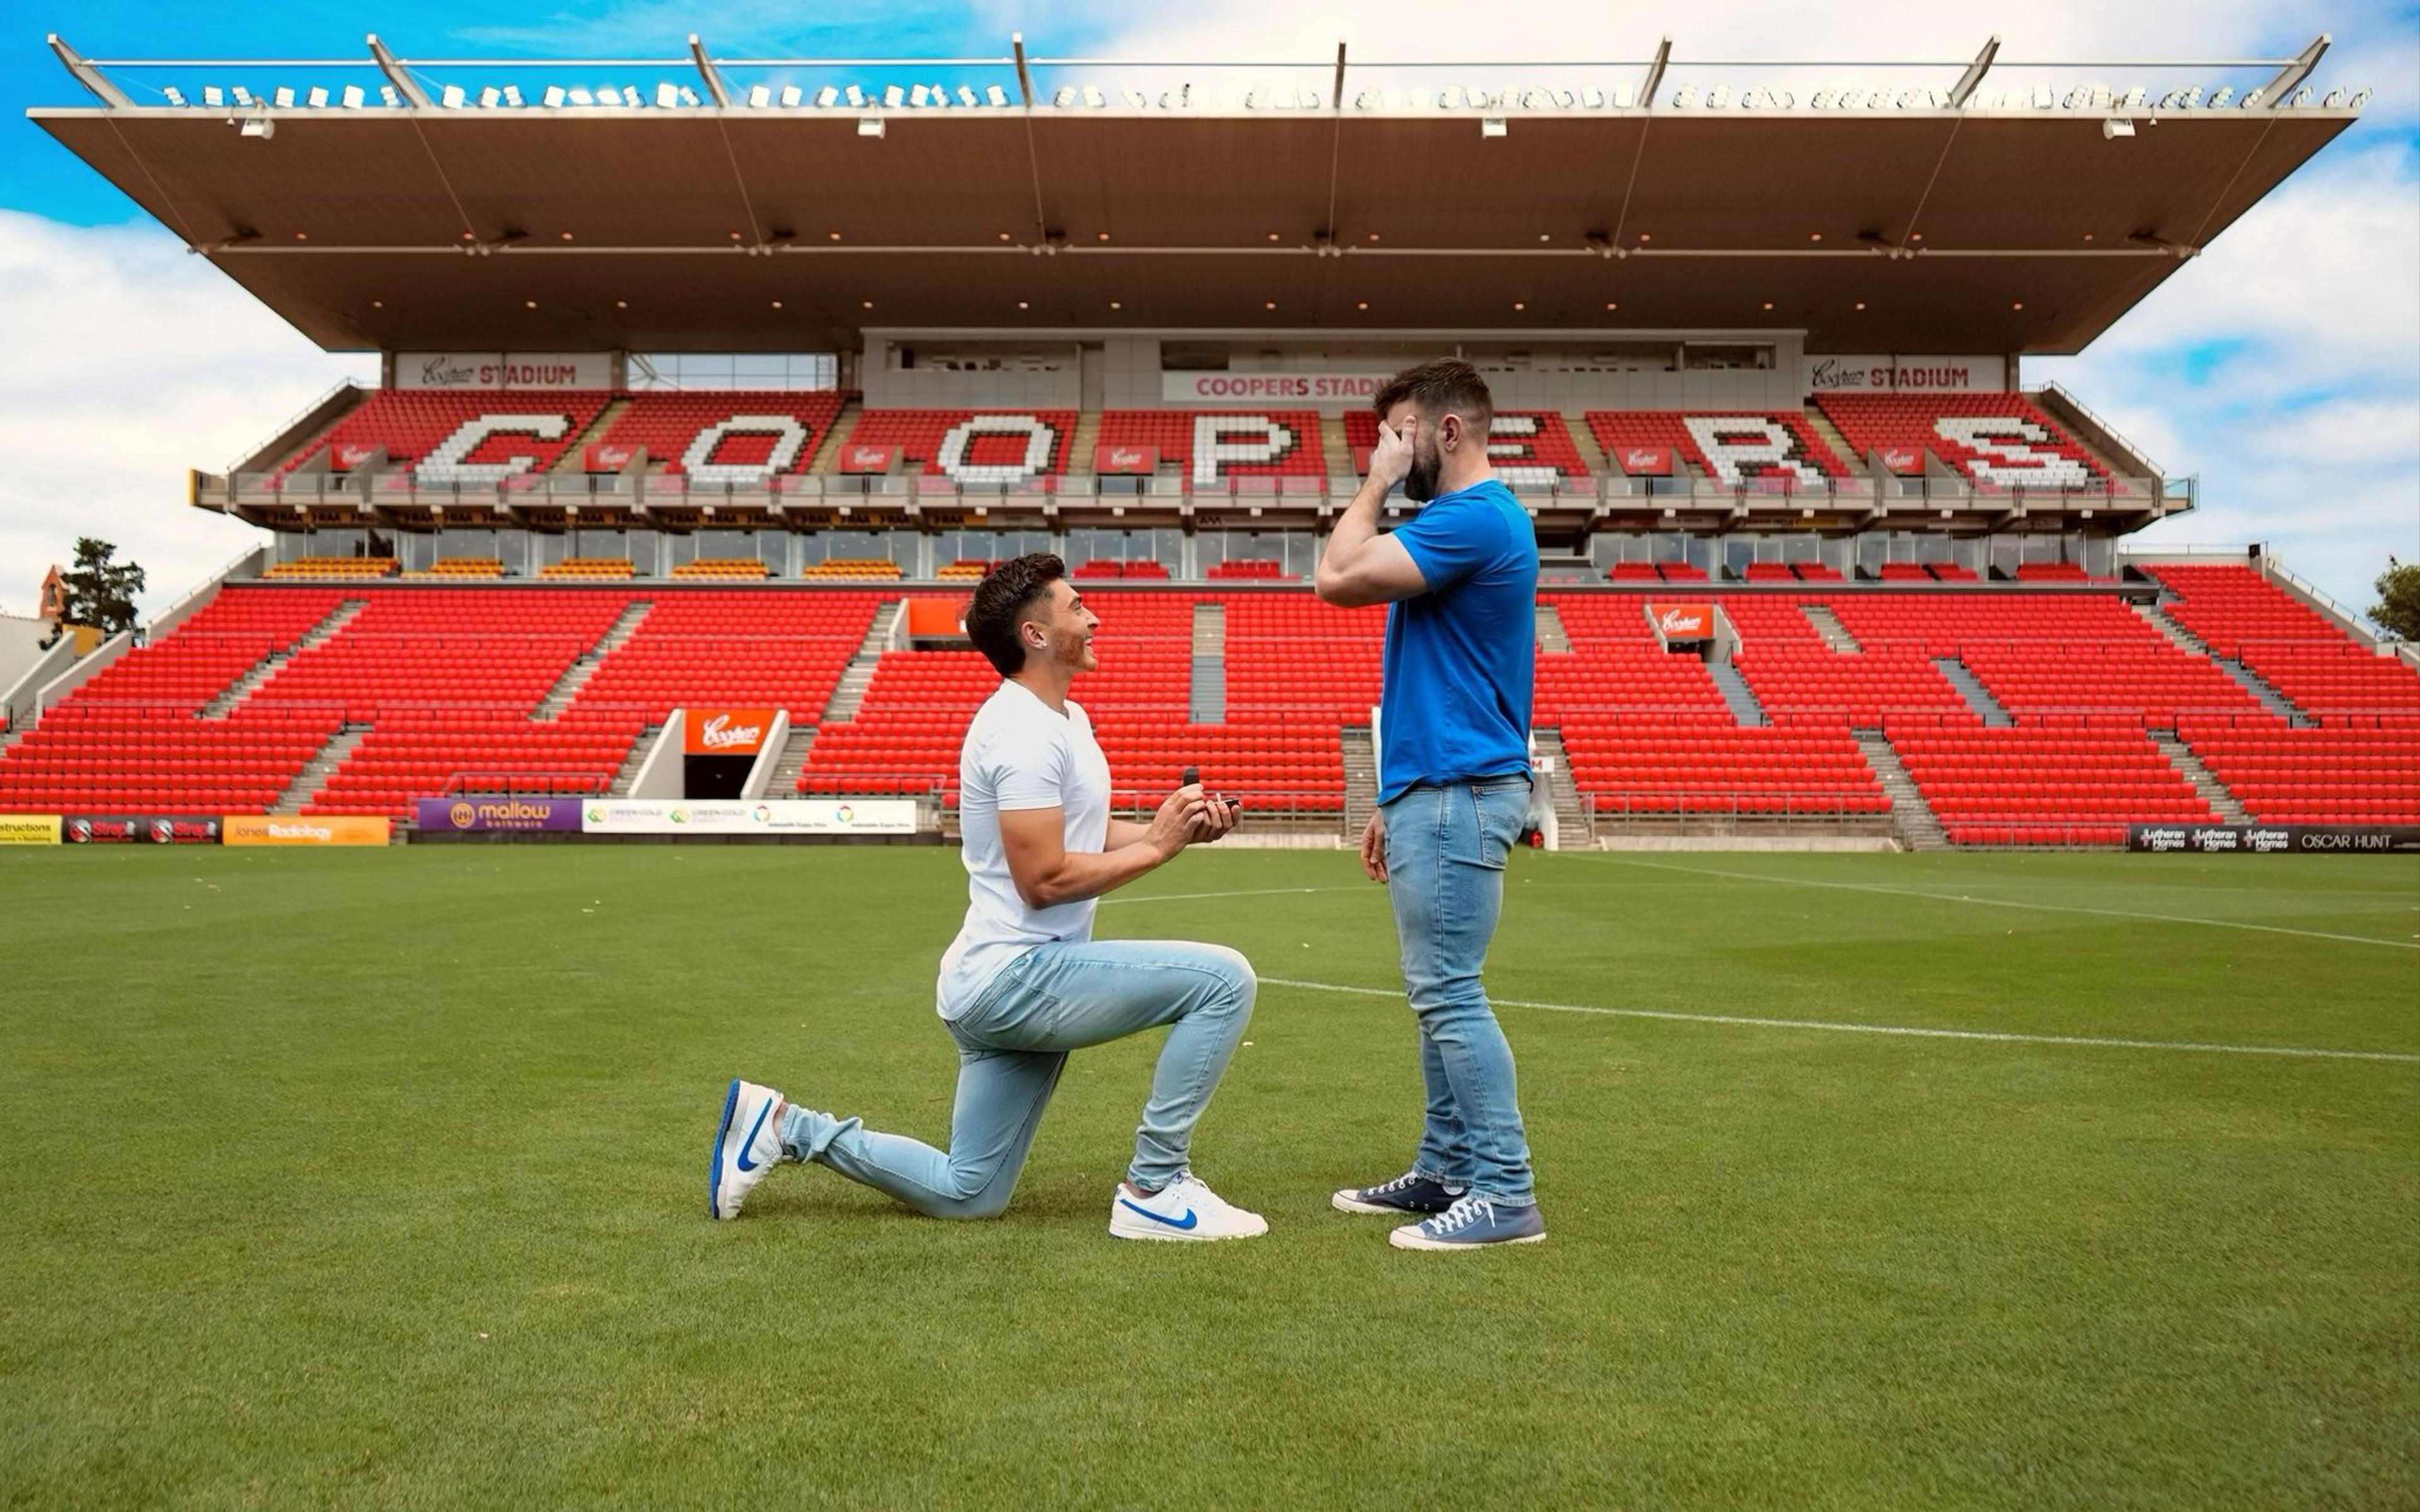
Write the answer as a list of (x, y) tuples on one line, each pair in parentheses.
[(1391, 461)]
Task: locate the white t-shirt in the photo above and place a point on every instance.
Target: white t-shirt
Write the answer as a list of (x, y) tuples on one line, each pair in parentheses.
[(1020, 753)]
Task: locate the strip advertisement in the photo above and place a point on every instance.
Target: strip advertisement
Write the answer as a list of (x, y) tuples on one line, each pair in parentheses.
[(29, 829), (140, 830), (489, 816), (304, 829), (2274, 840), (771, 816)]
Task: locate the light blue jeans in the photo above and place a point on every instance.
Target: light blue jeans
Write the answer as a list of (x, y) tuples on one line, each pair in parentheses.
[(1013, 1041), (1445, 850)]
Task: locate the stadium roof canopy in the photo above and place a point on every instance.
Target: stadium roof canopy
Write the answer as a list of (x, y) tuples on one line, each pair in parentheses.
[(1956, 219)]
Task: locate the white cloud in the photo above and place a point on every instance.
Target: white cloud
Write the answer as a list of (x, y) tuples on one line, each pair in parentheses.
[(131, 362)]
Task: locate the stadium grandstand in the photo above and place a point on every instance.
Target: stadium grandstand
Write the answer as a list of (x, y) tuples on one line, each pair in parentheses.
[(714, 395)]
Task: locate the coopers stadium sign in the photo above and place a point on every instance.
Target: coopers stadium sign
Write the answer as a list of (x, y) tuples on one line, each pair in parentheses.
[(2272, 839), (561, 371), (1271, 387), (1897, 373)]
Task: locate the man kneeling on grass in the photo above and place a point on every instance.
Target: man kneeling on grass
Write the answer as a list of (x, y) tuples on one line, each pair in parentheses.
[(1025, 982)]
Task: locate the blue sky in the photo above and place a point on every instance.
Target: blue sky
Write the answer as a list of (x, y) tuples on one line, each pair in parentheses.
[(2283, 367)]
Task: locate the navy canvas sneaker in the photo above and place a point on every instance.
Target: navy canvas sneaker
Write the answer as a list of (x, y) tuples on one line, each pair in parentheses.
[(1473, 1223), (1408, 1192)]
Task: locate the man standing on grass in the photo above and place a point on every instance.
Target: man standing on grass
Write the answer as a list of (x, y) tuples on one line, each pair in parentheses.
[(1025, 982), (1454, 784)]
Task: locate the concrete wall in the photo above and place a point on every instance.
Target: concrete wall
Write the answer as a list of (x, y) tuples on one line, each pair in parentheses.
[(19, 647)]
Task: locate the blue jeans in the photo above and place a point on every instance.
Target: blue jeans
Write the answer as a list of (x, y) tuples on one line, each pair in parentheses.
[(1013, 1041), (1446, 850)]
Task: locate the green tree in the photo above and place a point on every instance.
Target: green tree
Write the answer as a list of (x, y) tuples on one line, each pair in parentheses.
[(99, 590), (2398, 599)]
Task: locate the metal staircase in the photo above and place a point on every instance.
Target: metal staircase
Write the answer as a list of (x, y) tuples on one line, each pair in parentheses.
[(1912, 819), (269, 666), (1970, 688), (575, 677), (1209, 697), (304, 790), (859, 675), (2203, 781), (1361, 779), (1571, 817)]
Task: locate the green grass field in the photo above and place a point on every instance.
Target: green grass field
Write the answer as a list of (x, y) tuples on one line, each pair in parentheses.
[(377, 1179)]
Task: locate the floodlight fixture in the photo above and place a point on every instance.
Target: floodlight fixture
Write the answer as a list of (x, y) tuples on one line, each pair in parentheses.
[(919, 97), (1092, 98), (2116, 127), (759, 97), (869, 126), (283, 97), (580, 96), (1451, 98), (667, 96), (243, 96), (513, 96), (1490, 126), (391, 97), (995, 97), (259, 127), (1684, 96), (791, 95), (2334, 102), (452, 99), (855, 97), (1592, 98), (826, 97), (2219, 101), (968, 97), (491, 98), (173, 94)]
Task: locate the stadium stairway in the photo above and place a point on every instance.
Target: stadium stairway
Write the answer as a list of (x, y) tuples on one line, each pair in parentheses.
[(1918, 828), (1361, 779), (574, 460), (1571, 817), (859, 674), (2182, 638), (269, 666), (627, 772), (305, 787), (1082, 442), (2203, 781), (792, 761), (1829, 433), (575, 676), (1970, 688), (1829, 625), (1209, 696), (1552, 638), (2259, 687), (1735, 691), (827, 446)]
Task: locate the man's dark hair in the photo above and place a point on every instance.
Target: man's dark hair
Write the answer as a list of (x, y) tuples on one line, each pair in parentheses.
[(1447, 384), (1000, 602)]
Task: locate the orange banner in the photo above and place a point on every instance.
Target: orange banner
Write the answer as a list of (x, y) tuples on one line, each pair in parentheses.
[(303, 829), (937, 618), (1682, 621), (727, 731)]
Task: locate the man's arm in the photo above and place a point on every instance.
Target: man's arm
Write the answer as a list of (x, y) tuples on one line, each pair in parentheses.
[(1047, 874), (1362, 566)]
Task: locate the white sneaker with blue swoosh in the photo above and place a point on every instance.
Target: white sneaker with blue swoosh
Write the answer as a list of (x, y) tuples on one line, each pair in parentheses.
[(746, 1146), (1184, 1209)]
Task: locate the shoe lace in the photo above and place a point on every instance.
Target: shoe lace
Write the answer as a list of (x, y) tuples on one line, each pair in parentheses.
[(1403, 1183), (1462, 1215)]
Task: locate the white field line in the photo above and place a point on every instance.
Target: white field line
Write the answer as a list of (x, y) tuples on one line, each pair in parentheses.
[(2010, 902), (1827, 1025)]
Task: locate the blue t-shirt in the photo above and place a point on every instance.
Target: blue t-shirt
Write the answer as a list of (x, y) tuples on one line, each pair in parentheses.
[(1454, 700)]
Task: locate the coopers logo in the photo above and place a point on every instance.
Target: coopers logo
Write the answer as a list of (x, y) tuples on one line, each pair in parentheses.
[(1682, 621), (727, 731), (1647, 461)]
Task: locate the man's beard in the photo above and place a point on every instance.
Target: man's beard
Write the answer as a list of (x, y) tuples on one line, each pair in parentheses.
[(1420, 482)]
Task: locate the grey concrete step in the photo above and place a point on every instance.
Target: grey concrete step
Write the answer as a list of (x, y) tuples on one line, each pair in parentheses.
[(793, 760), (1552, 638), (2259, 687), (565, 690), (305, 787), (1829, 625), (1741, 698), (1970, 688), (2203, 781), (271, 665), (1361, 779), (1572, 816), (1917, 826), (627, 772), (859, 674)]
